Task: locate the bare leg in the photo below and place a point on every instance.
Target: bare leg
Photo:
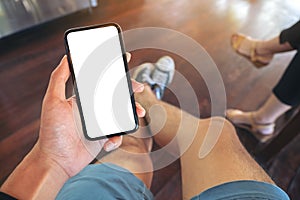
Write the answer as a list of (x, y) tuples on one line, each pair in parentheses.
[(266, 114), (226, 161), (272, 46), (286, 94), (133, 155), (263, 119)]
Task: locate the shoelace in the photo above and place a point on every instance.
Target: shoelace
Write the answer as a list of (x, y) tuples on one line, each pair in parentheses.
[(147, 79), (160, 78)]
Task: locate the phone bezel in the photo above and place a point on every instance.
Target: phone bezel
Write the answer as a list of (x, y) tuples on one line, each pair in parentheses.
[(126, 72)]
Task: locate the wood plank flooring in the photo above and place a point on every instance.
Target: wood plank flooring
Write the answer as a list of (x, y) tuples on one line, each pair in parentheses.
[(27, 59)]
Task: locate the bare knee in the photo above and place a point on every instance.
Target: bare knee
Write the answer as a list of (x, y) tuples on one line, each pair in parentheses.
[(227, 137), (228, 133)]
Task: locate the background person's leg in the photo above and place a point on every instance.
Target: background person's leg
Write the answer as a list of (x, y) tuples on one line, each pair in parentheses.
[(272, 46), (260, 50), (261, 120), (227, 161), (286, 94), (263, 50), (287, 40)]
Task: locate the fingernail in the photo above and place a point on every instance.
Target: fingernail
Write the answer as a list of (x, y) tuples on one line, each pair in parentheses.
[(142, 110), (109, 146)]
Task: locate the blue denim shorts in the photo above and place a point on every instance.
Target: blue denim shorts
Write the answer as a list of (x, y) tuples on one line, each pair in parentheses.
[(108, 181), (244, 190), (104, 181)]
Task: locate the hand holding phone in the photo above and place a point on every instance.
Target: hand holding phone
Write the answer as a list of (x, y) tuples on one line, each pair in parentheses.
[(103, 89)]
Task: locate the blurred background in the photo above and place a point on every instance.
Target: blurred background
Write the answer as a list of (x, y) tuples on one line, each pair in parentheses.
[(31, 45)]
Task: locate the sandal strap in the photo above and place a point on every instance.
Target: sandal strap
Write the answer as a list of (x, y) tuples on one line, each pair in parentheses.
[(253, 55), (236, 45), (258, 126)]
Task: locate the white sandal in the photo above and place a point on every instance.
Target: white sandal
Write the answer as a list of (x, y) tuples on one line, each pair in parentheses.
[(262, 132)]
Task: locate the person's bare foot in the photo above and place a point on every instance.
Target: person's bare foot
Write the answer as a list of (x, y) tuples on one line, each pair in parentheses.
[(252, 49)]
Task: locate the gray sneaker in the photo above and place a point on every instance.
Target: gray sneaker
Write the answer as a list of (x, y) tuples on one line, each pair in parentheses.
[(143, 73), (162, 75), (158, 75)]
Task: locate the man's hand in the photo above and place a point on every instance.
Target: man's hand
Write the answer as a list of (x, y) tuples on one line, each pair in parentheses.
[(61, 150), (60, 137)]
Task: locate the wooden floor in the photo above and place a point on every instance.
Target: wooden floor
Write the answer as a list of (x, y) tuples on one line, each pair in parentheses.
[(27, 59)]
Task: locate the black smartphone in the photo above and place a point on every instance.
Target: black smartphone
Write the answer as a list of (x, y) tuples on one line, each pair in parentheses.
[(102, 84)]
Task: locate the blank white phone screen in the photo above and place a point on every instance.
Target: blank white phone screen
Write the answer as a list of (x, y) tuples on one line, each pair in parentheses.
[(102, 85)]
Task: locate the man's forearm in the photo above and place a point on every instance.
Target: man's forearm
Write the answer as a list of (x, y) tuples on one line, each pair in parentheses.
[(35, 178)]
